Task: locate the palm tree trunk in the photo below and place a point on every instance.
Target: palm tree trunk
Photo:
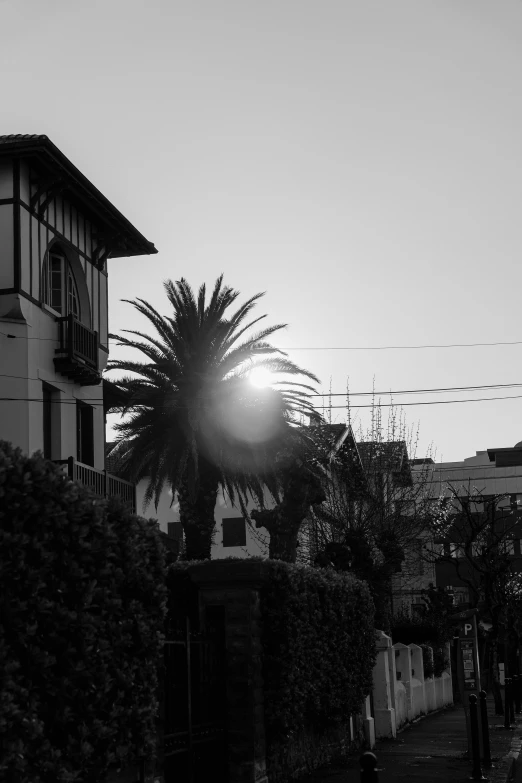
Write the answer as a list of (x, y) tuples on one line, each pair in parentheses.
[(283, 532), (284, 542), (301, 491), (197, 513)]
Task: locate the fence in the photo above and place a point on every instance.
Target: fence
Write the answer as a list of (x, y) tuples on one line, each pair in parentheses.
[(401, 692), (194, 706), (100, 482)]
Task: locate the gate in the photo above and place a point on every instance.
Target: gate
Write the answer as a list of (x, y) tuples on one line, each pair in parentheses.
[(194, 703)]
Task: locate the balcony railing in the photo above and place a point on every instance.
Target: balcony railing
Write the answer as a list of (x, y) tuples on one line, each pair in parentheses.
[(103, 484), (78, 352)]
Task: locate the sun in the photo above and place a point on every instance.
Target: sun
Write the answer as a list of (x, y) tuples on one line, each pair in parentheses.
[(260, 377)]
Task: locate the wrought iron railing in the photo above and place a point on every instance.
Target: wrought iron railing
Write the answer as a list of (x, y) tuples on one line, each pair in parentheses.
[(100, 482), (77, 341)]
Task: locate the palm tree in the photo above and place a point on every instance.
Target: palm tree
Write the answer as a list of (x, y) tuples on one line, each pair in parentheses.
[(195, 423)]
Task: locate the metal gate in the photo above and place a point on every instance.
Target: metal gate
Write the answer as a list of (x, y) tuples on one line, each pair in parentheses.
[(194, 706)]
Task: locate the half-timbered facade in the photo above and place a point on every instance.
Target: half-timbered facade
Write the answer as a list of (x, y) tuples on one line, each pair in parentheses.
[(57, 232)]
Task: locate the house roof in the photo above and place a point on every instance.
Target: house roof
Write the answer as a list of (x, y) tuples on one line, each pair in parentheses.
[(386, 457), (122, 237)]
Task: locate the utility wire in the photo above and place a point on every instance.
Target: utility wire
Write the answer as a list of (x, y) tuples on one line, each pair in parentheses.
[(394, 347), (323, 347), (441, 390), (320, 407)]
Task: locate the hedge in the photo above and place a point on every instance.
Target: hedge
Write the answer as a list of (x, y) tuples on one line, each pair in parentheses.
[(82, 607), (318, 654), (424, 633), (319, 650)]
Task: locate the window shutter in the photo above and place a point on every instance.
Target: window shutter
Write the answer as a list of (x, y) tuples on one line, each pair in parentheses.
[(234, 531)]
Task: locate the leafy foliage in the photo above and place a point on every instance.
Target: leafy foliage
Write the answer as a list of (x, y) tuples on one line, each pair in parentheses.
[(319, 650), (194, 423), (431, 629), (82, 607), (378, 504)]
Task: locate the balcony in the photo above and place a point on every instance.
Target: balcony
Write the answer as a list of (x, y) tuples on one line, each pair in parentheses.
[(78, 352), (103, 484)]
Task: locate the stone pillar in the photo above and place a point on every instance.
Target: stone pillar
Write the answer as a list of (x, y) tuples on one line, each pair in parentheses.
[(368, 723), (235, 585), (403, 665), (417, 680), (384, 713), (429, 686), (393, 678), (447, 680)]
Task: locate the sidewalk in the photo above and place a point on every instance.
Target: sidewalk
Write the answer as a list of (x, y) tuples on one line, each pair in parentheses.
[(434, 749)]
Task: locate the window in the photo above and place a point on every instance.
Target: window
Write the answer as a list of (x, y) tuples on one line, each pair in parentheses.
[(59, 286), (456, 551), (85, 433), (508, 546), (234, 531)]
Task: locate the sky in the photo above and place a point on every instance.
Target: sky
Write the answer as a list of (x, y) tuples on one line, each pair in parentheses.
[(358, 161)]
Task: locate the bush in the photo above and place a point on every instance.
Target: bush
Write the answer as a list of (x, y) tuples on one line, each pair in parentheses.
[(440, 660), (425, 633), (427, 660), (82, 607), (319, 651)]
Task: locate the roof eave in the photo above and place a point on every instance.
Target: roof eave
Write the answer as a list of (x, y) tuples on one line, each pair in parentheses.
[(138, 244)]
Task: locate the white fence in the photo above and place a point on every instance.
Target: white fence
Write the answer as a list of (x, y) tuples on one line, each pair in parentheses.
[(401, 693)]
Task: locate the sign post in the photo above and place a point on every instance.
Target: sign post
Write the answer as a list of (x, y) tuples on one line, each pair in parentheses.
[(468, 668)]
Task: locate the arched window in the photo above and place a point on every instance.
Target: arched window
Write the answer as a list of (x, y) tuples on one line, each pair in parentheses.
[(59, 286)]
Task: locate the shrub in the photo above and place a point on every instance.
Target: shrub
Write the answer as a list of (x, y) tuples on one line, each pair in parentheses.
[(318, 653), (427, 660), (426, 633), (82, 606), (319, 650), (440, 660)]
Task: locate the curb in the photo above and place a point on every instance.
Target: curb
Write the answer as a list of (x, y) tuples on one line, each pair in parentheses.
[(413, 722), (510, 761)]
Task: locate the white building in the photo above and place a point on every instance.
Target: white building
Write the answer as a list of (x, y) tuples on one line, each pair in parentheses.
[(57, 232), (234, 536)]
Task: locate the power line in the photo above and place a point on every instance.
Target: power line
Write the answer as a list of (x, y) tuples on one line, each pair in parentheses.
[(320, 407), (432, 402), (324, 347), (395, 347), (440, 390), (418, 391)]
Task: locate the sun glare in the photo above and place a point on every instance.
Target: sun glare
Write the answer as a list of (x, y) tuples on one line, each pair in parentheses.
[(260, 377)]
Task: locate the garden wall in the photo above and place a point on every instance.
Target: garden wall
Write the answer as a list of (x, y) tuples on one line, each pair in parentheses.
[(300, 650), (401, 691)]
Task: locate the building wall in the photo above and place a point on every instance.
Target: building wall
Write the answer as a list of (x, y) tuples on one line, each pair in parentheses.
[(30, 361), (416, 575), (256, 539), (27, 360), (481, 472), (477, 474)]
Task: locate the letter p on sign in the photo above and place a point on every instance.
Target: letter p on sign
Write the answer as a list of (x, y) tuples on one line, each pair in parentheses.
[(467, 628)]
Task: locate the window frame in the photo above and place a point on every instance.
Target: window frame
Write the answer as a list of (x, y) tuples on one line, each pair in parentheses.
[(69, 293), (227, 535)]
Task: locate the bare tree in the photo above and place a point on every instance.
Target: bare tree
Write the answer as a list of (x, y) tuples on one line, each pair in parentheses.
[(377, 510), (473, 533)]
